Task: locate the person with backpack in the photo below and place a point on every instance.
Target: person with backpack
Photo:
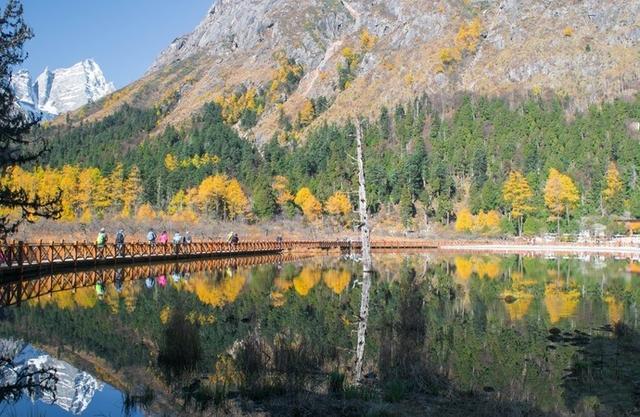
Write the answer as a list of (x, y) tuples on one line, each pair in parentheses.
[(101, 241), (151, 237), (187, 237), (164, 237), (120, 242), (177, 240)]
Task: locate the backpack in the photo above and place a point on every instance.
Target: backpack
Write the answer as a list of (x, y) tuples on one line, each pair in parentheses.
[(151, 236), (102, 239), (120, 237)]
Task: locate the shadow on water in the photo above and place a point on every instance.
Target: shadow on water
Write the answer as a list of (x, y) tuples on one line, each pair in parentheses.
[(605, 371), (181, 348)]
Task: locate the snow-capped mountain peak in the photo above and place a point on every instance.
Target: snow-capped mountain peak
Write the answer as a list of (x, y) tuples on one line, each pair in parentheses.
[(61, 90)]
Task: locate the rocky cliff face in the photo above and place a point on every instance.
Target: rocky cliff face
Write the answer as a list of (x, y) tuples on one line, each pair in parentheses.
[(62, 90), (583, 49)]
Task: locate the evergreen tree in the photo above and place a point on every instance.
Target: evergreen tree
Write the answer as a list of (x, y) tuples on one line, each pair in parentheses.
[(264, 200), (15, 148), (407, 208)]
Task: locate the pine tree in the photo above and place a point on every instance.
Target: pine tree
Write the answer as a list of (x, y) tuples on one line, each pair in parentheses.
[(264, 200), (407, 208), (15, 148)]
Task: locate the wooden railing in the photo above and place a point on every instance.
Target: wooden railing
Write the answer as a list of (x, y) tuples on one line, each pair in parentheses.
[(19, 257), (15, 292)]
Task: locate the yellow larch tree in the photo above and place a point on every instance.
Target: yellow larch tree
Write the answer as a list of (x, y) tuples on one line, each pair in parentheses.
[(339, 205), (464, 220), (88, 182), (146, 212), (131, 192), (281, 187), (517, 193), (367, 40), (116, 186), (101, 196), (468, 35), (612, 193), (560, 195), (170, 162), (70, 192), (307, 114), (211, 194), (237, 202), (179, 202), (308, 203)]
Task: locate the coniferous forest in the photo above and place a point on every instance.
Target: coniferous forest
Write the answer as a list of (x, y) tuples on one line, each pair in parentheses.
[(482, 164)]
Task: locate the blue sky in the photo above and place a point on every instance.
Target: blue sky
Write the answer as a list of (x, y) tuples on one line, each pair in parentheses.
[(123, 36)]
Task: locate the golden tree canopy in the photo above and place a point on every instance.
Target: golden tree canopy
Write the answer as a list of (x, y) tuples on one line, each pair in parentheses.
[(308, 203), (464, 220), (560, 193), (613, 181), (517, 193)]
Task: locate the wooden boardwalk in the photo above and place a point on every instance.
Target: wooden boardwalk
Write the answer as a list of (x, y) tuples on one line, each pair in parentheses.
[(20, 258)]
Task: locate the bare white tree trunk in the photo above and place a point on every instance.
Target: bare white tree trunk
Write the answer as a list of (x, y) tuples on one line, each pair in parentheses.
[(367, 264)]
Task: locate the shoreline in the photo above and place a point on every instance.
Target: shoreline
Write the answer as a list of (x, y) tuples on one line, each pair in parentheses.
[(543, 248)]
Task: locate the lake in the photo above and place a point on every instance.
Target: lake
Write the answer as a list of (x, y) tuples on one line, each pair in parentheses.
[(447, 334)]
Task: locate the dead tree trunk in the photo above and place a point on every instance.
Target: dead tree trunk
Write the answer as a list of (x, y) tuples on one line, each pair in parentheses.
[(367, 264)]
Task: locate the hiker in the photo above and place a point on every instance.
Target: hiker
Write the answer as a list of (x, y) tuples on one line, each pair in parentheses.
[(120, 242), (164, 237), (232, 238), (151, 237), (187, 237), (101, 241), (177, 240)]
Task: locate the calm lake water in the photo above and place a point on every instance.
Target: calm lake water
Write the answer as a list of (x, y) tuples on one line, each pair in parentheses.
[(555, 336)]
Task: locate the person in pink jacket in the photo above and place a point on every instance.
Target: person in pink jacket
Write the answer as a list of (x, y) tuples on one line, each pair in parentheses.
[(164, 237)]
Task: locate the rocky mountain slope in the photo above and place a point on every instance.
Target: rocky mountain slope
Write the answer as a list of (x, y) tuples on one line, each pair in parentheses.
[(61, 90), (359, 55)]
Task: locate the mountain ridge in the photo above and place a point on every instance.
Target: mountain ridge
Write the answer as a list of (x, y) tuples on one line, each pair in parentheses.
[(583, 50), (61, 90)]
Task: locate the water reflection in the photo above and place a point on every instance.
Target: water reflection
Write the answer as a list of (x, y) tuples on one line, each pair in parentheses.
[(517, 331)]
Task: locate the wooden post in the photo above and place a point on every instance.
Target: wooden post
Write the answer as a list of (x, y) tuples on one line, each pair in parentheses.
[(19, 256)]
